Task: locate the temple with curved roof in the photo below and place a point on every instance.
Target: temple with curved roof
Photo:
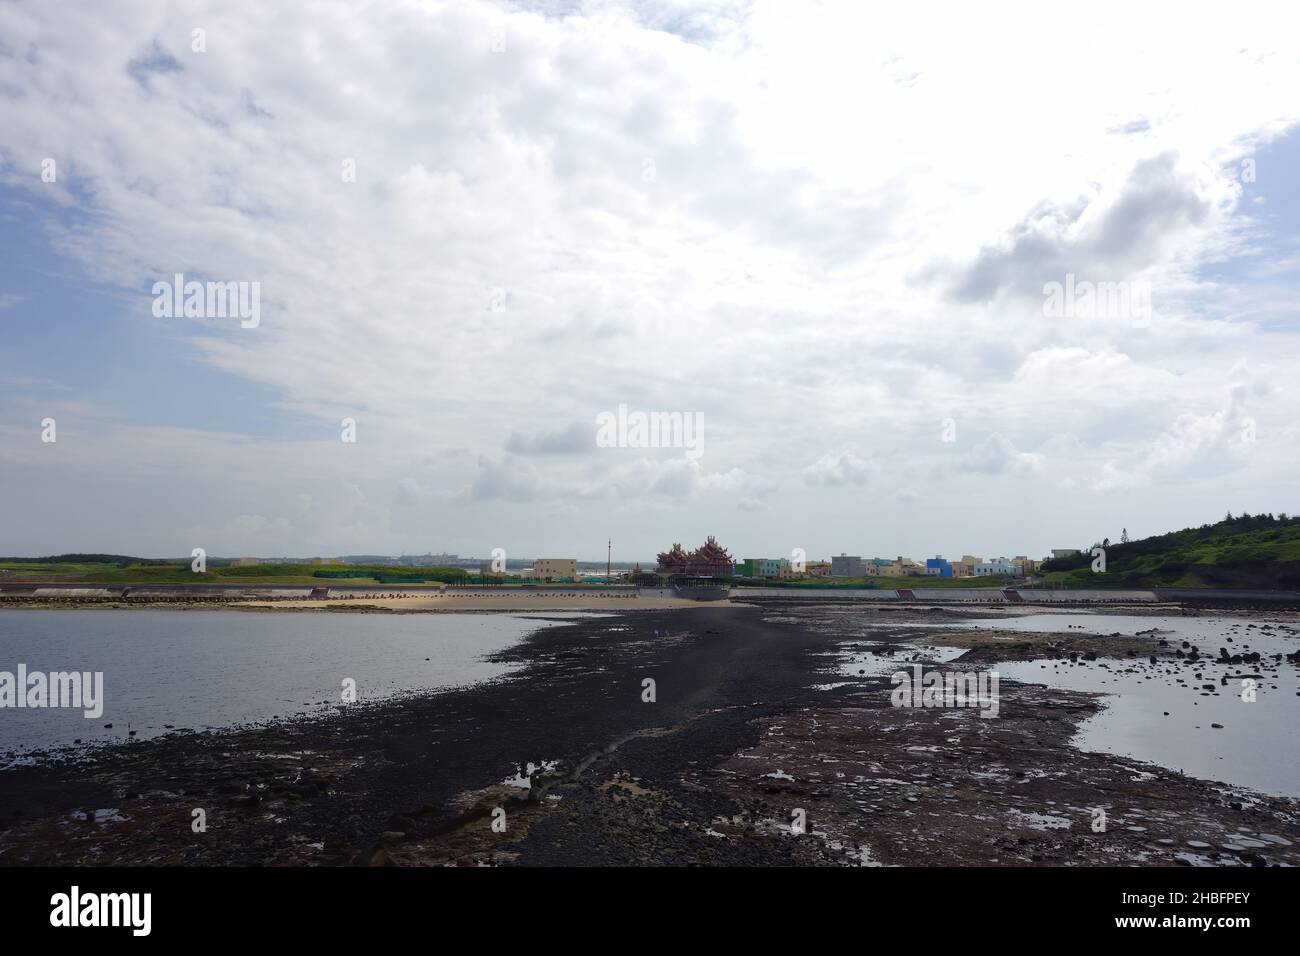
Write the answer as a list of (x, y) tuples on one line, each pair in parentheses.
[(710, 560)]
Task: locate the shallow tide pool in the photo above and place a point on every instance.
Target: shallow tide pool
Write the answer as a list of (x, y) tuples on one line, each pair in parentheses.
[(1149, 714)]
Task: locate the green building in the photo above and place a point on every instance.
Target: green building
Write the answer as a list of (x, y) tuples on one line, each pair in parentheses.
[(760, 567)]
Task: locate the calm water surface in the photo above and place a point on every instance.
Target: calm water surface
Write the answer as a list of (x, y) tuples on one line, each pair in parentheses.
[(1149, 714), (212, 669)]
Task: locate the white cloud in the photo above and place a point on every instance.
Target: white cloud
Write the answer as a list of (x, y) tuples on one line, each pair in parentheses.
[(1193, 443), (574, 440), (837, 469), (821, 226), (510, 479), (259, 524), (997, 455)]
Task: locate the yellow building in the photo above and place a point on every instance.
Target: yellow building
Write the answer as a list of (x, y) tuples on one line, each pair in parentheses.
[(812, 569), (555, 569), (246, 562), (1024, 565)]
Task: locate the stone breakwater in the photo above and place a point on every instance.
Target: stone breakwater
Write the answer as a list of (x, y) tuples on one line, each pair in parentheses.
[(1032, 597), (429, 597), (283, 592)]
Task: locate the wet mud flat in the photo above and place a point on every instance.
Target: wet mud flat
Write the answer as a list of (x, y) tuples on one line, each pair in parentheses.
[(912, 787), (564, 762)]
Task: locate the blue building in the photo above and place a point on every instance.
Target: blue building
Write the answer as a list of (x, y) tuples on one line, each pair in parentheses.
[(938, 568)]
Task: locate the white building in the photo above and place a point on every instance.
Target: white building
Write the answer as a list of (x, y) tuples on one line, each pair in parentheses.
[(993, 567)]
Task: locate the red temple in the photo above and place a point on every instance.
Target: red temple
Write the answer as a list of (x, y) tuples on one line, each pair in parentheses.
[(710, 560)]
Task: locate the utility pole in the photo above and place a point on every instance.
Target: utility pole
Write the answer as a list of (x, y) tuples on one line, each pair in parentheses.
[(609, 552)]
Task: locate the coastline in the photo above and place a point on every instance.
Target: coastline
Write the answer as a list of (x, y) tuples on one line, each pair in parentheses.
[(461, 602), (414, 604), (744, 729)]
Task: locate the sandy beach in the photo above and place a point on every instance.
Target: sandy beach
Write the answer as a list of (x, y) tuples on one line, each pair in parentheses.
[(410, 602), (511, 601)]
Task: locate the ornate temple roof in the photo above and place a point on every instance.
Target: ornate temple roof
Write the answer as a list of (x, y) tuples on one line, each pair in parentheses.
[(710, 558)]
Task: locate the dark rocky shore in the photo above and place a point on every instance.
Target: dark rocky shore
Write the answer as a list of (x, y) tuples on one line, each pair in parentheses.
[(743, 734)]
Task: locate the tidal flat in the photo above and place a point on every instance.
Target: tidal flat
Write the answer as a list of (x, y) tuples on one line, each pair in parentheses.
[(765, 735)]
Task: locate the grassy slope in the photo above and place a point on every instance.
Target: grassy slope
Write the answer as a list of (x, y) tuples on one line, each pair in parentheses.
[(1244, 552)]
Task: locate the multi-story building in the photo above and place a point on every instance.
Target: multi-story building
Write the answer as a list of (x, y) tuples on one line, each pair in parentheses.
[(246, 562), (761, 567), (847, 566), (906, 566), (937, 567), (788, 571), (555, 569), (994, 567)]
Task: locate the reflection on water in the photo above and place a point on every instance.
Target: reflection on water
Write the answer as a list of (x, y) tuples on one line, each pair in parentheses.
[(204, 669), (1167, 713)]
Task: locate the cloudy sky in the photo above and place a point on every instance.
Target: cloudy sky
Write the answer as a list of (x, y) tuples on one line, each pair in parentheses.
[(476, 226)]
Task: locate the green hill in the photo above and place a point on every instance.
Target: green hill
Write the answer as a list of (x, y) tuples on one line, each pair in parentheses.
[(120, 569), (1257, 551)]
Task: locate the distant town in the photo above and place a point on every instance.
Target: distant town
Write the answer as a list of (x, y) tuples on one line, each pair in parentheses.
[(1238, 551), (710, 560)]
